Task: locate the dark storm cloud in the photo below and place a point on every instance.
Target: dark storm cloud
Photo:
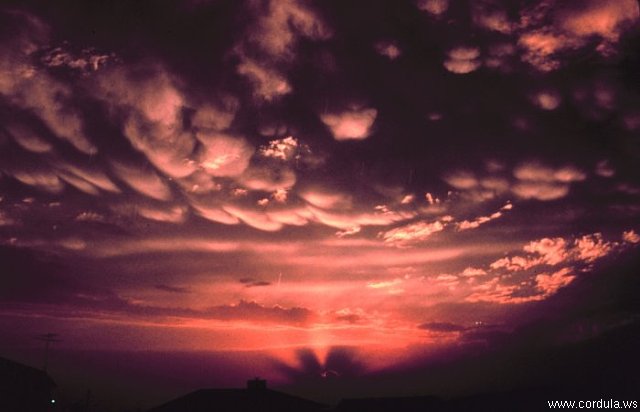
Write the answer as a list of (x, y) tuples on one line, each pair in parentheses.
[(172, 289), (442, 327), (275, 175)]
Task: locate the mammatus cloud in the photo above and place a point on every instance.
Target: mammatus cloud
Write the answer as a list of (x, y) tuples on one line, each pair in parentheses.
[(572, 27), (352, 124), (388, 49), (434, 7), (274, 36), (531, 180), (536, 181), (463, 60), (268, 84)]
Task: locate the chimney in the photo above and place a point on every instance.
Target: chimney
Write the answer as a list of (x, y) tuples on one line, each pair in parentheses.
[(256, 384)]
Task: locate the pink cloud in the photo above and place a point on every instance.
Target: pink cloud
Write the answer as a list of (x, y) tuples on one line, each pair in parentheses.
[(210, 117), (463, 60), (473, 272), (475, 223), (268, 178), (540, 190), (214, 213), (572, 26), (268, 83), (434, 7), (41, 179), (255, 219), (388, 49), (550, 284), (145, 182), (462, 180), (95, 177), (326, 199), (413, 232), (551, 251), (224, 155), (591, 247), (491, 17), (547, 99), (283, 149), (631, 236), (353, 124), (28, 139), (175, 214)]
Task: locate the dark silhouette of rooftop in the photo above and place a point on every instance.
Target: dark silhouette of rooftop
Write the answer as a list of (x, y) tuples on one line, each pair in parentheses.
[(391, 404), (23, 388), (255, 398)]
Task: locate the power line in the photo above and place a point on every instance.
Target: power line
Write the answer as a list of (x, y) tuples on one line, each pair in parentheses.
[(48, 339)]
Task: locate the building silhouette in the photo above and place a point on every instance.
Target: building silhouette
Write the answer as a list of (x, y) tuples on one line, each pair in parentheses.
[(25, 389), (256, 397)]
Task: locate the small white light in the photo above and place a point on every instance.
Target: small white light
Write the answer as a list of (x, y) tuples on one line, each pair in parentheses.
[(53, 401)]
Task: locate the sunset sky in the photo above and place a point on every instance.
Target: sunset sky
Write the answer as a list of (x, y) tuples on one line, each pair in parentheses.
[(287, 177)]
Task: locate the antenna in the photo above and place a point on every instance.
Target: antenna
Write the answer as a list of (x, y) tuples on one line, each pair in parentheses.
[(48, 339)]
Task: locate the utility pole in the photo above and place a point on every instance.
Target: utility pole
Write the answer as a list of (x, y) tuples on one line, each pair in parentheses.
[(48, 339)]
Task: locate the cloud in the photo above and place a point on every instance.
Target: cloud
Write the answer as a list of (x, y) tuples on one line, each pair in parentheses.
[(254, 312), (91, 175), (176, 214), (549, 284), (551, 251), (547, 99), (273, 37), (153, 111), (79, 183), (557, 251), (85, 61), (28, 138), (280, 23), (52, 102), (6, 220), (291, 216), (537, 181), (434, 7), (40, 179), (491, 16), (442, 327), (631, 236), (223, 155), (605, 169), (388, 49), (268, 178), (283, 149), (172, 289), (591, 247), (461, 180), (354, 124), (540, 190), (213, 212), (268, 83), (473, 224), (255, 219), (414, 232), (145, 182), (473, 272), (250, 282), (463, 60), (537, 172), (549, 29), (326, 199)]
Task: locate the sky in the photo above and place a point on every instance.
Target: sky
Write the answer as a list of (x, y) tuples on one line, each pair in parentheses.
[(352, 187)]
